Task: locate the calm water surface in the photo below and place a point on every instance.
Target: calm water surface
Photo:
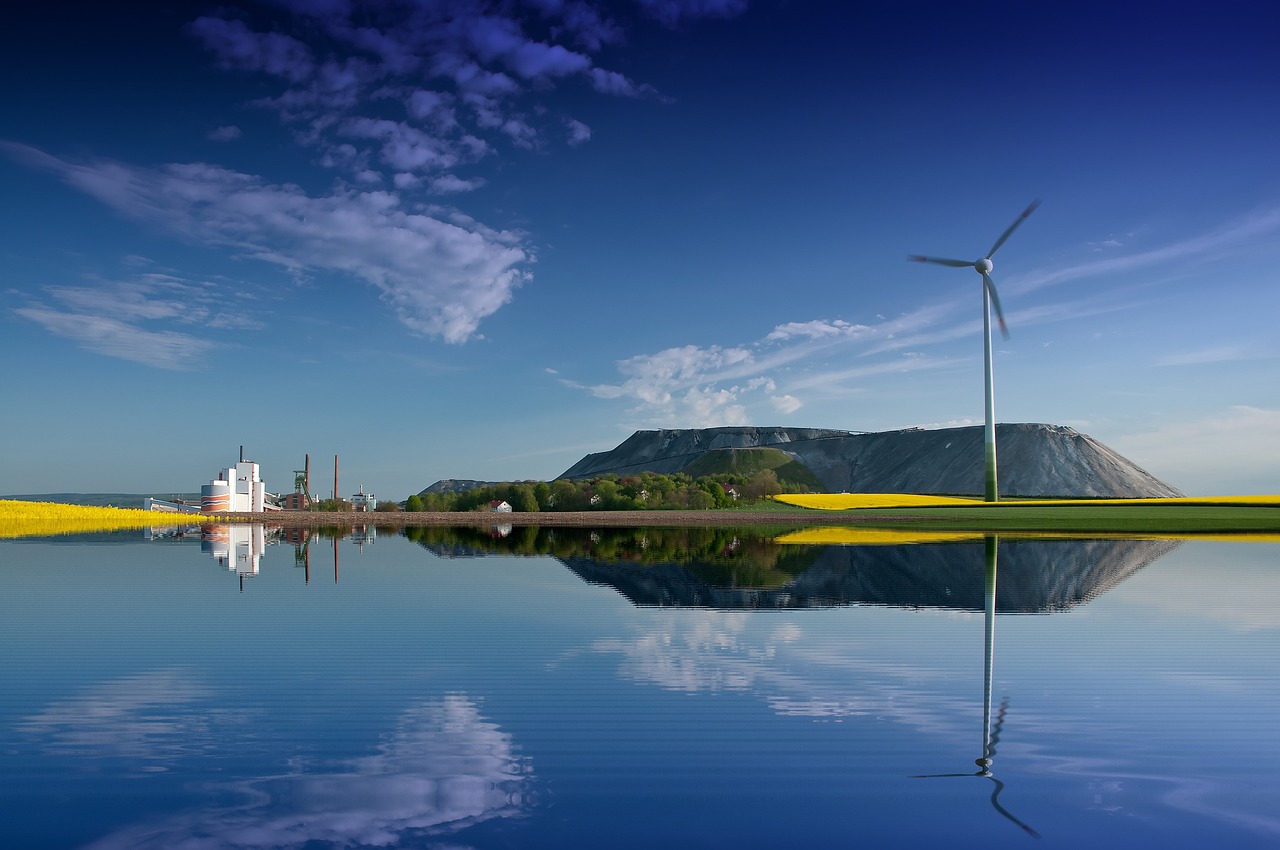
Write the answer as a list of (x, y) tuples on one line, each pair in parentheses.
[(627, 688)]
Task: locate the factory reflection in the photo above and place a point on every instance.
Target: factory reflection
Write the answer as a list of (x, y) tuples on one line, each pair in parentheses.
[(239, 547)]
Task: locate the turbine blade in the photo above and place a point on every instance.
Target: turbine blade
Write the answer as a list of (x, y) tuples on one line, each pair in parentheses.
[(995, 302), (941, 261), (1028, 211)]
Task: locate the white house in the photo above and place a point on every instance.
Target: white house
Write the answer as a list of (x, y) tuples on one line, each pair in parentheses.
[(499, 506)]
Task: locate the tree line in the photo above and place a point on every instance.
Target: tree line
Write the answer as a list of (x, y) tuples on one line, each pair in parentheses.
[(647, 491)]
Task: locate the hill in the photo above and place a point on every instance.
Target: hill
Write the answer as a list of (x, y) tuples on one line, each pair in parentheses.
[(749, 461), (1034, 460), (455, 485)]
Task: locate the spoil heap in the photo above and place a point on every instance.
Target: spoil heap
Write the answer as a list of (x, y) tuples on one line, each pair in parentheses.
[(1049, 461)]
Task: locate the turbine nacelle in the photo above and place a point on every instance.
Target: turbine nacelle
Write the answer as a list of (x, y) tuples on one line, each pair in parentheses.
[(984, 266)]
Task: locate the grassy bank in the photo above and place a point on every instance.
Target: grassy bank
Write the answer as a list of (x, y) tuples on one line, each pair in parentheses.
[(1213, 515), (1256, 516)]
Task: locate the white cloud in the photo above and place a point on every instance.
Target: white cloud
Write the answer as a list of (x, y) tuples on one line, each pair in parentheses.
[(816, 329), (450, 184), (237, 47), (442, 277), (786, 404), (694, 386), (120, 318), (611, 82), (330, 59), (225, 133), (707, 407), (114, 338), (579, 133)]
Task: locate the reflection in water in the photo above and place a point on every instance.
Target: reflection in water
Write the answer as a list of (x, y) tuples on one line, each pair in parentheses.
[(824, 713), (442, 768), (1039, 576), (990, 732), (235, 548), (736, 568), (152, 720), (239, 547)]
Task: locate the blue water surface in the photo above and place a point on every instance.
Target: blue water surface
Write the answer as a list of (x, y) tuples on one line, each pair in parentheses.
[(415, 690)]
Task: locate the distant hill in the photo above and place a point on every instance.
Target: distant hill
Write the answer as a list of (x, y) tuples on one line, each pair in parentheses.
[(454, 485), (789, 470), (1034, 460), (102, 500)]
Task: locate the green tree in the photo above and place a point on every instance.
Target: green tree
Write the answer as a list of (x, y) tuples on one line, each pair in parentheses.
[(700, 500), (565, 496), (763, 483), (414, 503), (522, 498)]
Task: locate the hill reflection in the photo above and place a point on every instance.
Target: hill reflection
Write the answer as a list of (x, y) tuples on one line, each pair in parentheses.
[(745, 569)]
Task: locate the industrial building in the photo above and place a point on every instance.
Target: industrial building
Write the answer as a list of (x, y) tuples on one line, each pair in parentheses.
[(237, 488)]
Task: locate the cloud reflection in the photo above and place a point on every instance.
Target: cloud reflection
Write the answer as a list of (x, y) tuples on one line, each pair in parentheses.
[(708, 651), (154, 718), (444, 767)]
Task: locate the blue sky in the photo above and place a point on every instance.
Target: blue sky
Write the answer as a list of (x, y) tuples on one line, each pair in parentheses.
[(479, 239)]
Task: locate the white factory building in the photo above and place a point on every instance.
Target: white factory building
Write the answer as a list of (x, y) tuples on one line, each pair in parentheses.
[(237, 488)]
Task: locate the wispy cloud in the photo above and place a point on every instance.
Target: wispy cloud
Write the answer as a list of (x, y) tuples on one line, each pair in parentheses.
[(1217, 354), (705, 386), (162, 349), (442, 272), (402, 101), (1208, 245), (138, 319), (708, 385)]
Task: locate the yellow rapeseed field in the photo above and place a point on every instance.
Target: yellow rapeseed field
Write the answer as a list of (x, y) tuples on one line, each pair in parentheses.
[(835, 536), (851, 501), (39, 519)]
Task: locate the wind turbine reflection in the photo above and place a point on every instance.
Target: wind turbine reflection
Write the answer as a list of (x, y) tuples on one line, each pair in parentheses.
[(990, 731)]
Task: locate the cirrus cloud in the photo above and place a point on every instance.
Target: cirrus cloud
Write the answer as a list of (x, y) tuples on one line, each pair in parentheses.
[(441, 276)]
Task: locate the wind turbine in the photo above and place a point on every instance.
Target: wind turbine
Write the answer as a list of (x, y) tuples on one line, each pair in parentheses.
[(989, 297)]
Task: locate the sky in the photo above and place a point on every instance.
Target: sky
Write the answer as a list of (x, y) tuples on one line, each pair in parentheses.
[(471, 239)]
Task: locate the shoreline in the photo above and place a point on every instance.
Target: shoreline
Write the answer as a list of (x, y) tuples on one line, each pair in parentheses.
[(578, 519)]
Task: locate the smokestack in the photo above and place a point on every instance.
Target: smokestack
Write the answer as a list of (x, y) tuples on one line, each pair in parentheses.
[(306, 475), (242, 454), (335, 477)]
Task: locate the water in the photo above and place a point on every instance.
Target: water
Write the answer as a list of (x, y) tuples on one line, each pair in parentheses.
[(626, 688)]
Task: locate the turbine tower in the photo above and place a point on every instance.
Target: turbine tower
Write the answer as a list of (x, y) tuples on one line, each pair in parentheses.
[(984, 266)]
